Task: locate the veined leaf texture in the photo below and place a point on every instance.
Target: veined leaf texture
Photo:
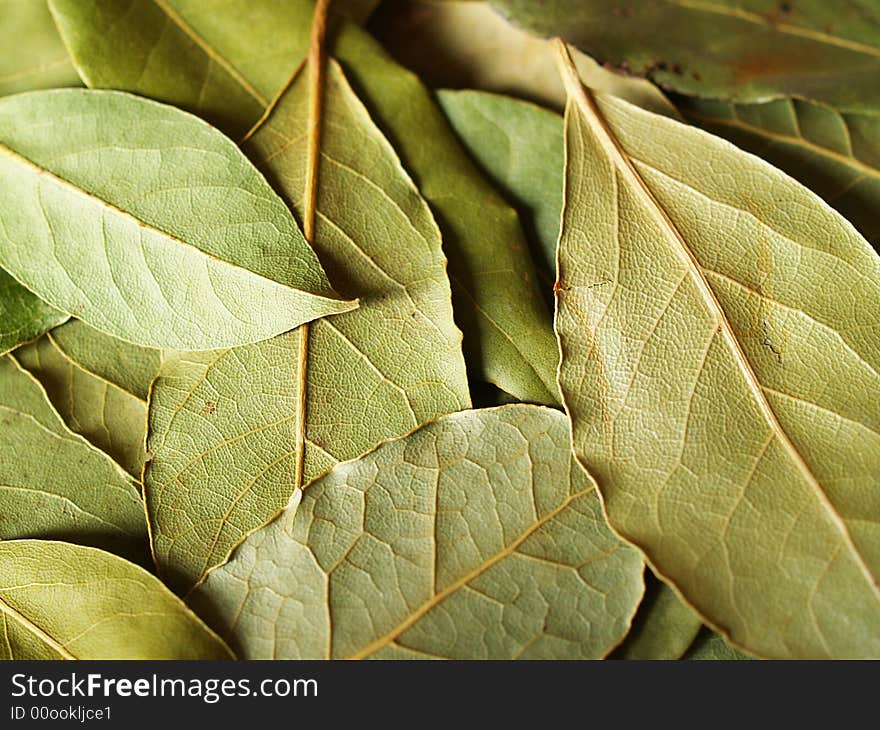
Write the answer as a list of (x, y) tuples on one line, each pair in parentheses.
[(447, 543), (719, 335)]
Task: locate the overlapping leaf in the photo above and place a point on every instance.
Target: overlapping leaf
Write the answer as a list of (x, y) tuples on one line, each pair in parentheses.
[(720, 354), (468, 45), (127, 366), (23, 316), (62, 601), (223, 426), (504, 318), (746, 52), (115, 196), (32, 56), (110, 418), (55, 484), (476, 536), (836, 155)]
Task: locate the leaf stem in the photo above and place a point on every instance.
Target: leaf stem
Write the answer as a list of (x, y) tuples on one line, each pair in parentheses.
[(316, 94)]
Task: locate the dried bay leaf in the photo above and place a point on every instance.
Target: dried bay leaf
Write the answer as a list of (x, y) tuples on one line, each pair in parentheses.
[(53, 483), (520, 146), (709, 646), (499, 307), (115, 196), (32, 55), (129, 367), (475, 536), (468, 45), (836, 155), (367, 375), (812, 49), (107, 416), (719, 328), (23, 316), (62, 601), (664, 628)]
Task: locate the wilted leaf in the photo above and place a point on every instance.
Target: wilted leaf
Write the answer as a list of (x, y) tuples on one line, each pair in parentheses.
[(473, 537), (719, 332), (468, 45), (814, 49), (663, 628), (835, 155), (110, 418), (32, 55), (115, 196), (55, 484), (505, 321), (130, 367), (224, 426), (61, 601)]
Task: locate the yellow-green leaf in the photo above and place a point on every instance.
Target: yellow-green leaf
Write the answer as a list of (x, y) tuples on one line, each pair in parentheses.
[(504, 318), (62, 601), (32, 55), (130, 367), (474, 537), (223, 426), (720, 340), (110, 418), (115, 196), (23, 316), (55, 484)]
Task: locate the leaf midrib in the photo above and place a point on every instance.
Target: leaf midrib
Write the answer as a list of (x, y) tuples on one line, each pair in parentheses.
[(581, 96), (31, 627), (42, 172), (461, 582)]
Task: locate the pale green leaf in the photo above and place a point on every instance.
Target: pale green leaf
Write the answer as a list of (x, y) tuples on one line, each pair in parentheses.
[(836, 155), (223, 426), (730, 49), (664, 627), (711, 647), (719, 326), (115, 197), (474, 537), (110, 418), (468, 45), (498, 303), (130, 367), (520, 146), (61, 601), (23, 316), (32, 55), (55, 484)]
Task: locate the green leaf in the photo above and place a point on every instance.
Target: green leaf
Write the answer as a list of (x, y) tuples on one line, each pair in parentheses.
[(718, 325), (115, 196), (127, 366), (61, 601), (370, 374), (520, 146), (110, 418), (32, 55), (836, 155), (55, 484), (821, 51), (498, 303), (711, 647), (23, 316), (474, 537), (663, 628), (468, 45)]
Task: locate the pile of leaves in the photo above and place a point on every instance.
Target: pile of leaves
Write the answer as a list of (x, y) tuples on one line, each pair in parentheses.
[(326, 334)]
